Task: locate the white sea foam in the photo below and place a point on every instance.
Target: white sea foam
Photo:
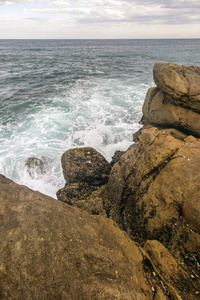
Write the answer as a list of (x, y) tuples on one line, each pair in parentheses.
[(90, 113), (57, 95)]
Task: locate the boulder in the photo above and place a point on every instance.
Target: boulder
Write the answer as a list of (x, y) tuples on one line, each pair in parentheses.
[(181, 82), (154, 193), (84, 170), (160, 109), (35, 167), (50, 250), (85, 165)]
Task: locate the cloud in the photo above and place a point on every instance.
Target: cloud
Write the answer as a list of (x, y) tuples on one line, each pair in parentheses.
[(121, 17), (99, 11)]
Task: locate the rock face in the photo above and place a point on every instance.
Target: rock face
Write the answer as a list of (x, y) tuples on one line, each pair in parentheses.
[(154, 188), (50, 250), (175, 102), (84, 170), (154, 191)]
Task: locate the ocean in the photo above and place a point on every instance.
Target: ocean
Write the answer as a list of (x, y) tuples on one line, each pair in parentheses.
[(61, 94)]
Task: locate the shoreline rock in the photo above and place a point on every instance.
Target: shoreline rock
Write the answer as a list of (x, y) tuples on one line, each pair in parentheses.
[(134, 230), (50, 250), (84, 170)]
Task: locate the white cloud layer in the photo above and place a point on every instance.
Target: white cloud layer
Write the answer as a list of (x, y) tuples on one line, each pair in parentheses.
[(100, 18)]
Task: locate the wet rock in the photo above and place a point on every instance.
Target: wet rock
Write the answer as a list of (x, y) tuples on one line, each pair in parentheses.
[(85, 165), (84, 170), (116, 157), (36, 167)]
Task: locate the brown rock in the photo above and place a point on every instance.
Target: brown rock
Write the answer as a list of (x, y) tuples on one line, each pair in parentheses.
[(160, 109), (50, 250), (181, 82), (171, 271), (154, 193)]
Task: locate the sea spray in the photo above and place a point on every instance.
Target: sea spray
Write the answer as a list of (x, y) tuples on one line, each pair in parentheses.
[(57, 95)]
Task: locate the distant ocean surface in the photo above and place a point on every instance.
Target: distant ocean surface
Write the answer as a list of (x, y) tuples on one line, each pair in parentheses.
[(60, 94)]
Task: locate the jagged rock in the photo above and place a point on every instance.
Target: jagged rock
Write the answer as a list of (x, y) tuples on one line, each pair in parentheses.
[(160, 108), (36, 167), (181, 82), (154, 193), (50, 250), (84, 170)]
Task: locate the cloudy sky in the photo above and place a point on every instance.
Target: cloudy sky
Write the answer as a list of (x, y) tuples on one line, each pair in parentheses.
[(99, 19)]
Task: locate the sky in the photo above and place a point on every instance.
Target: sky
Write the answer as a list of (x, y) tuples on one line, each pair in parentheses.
[(99, 19)]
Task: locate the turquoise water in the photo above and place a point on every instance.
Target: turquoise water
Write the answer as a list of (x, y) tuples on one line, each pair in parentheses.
[(60, 94)]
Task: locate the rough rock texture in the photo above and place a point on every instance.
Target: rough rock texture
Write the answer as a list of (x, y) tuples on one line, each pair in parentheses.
[(181, 82), (171, 271), (85, 165), (84, 170), (175, 102), (155, 182), (160, 109), (49, 250)]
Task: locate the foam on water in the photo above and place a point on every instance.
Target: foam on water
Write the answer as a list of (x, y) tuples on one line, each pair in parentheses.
[(99, 113), (57, 95)]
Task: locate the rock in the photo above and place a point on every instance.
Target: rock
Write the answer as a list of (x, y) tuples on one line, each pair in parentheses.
[(50, 250), (85, 165), (170, 131), (73, 192), (84, 170), (36, 167), (171, 270), (116, 157), (95, 203), (181, 82), (160, 109), (154, 193)]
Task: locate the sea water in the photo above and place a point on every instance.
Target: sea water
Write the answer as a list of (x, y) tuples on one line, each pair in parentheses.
[(61, 94)]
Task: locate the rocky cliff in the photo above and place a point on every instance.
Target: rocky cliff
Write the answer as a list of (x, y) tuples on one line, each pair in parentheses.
[(127, 232)]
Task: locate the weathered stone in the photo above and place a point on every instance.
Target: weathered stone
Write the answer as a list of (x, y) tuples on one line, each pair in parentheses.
[(73, 192), (158, 109), (50, 250), (85, 165), (181, 82), (171, 270), (154, 193)]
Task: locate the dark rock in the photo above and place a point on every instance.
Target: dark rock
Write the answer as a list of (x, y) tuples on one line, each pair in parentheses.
[(73, 192), (85, 165), (116, 157), (84, 170), (36, 167)]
